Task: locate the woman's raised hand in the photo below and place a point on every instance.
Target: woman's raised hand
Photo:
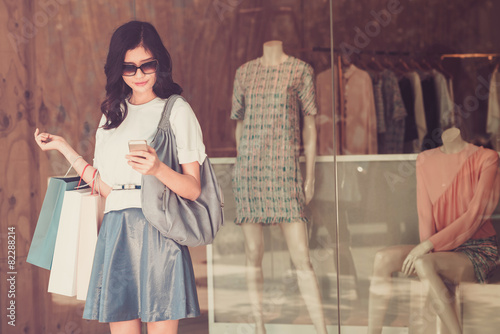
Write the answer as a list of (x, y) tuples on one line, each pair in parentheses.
[(48, 142)]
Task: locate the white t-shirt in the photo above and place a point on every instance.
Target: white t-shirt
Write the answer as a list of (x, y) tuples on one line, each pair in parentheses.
[(141, 123)]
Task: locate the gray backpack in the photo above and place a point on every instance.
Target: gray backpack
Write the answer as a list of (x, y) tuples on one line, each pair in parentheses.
[(189, 223)]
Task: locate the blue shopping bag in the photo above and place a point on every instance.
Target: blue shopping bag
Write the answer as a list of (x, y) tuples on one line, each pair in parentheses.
[(42, 246)]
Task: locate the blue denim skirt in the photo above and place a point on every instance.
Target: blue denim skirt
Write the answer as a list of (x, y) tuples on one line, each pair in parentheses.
[(139, 274)]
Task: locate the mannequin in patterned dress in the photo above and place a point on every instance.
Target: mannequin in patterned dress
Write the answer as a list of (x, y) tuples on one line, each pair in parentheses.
[(295, 232)]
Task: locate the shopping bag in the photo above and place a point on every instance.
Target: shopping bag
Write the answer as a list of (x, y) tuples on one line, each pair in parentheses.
[(41, 250), (62, 278), (90, 217)]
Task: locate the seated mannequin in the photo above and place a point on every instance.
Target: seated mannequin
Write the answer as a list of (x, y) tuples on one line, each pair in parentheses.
[(456, 193)]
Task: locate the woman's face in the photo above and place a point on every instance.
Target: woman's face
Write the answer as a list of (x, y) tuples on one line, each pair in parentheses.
[(140, 83)]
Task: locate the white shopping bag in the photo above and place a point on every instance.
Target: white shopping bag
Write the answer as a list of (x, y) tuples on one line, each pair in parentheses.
[(62, 278), (90, 216)]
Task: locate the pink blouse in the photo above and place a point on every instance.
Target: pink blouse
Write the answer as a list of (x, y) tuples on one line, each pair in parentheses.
[(456, 195)]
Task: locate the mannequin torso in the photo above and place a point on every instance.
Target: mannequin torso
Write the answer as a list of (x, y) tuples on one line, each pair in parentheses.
[(275, 60)]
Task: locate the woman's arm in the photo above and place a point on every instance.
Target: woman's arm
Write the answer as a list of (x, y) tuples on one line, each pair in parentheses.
[(48, 142), (186, 184)]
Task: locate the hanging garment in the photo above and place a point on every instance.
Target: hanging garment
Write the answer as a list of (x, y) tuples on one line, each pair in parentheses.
[(445, 103), (379, 101), (324, 118), (394, 114), (267, 182), (419, 109), (360, 115), (493, 120), (433, 137), (452, 97), (411, 132)]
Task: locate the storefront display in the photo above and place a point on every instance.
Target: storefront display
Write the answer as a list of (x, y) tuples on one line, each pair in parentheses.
[(319, 114)]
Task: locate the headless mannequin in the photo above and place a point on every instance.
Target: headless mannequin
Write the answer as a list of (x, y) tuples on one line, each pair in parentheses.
[(295, 233), (431, 268), (452, 141)]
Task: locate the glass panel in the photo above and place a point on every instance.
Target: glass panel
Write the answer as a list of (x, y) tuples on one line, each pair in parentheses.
[(292, 301), (377, 209), (380, 43), (416, 96)]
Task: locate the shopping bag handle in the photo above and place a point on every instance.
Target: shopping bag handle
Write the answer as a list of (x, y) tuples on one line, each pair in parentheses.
[(81, 177), (93, 181)]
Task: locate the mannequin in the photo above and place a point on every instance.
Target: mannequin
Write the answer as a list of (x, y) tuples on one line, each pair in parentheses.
[(272, 63), (452, 141), (443, 176)]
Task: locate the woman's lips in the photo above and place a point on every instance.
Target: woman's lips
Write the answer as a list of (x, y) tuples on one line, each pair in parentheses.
[(141, 83)]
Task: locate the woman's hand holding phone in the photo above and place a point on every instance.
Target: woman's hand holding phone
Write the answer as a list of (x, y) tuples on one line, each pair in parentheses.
[(142, 157)]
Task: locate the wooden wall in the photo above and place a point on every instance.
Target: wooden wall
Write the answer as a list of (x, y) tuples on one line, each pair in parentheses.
[(19, 177)]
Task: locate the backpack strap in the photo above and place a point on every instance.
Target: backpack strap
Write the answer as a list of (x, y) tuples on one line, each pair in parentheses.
[(167, 110)]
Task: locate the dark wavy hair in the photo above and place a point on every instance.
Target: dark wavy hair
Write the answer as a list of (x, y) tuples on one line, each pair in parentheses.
[(128, 37)]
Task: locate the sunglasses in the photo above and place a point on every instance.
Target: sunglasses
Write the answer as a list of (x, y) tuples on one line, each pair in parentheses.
[(150, 67)]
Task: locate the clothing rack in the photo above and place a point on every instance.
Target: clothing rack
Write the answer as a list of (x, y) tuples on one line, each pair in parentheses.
[(490, 56), (372, 52)]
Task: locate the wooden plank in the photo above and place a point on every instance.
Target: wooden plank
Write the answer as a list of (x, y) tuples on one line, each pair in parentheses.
[(71, 49), (18, 191)]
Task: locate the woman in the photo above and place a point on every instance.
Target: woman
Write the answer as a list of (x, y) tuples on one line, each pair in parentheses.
[(138, 275)]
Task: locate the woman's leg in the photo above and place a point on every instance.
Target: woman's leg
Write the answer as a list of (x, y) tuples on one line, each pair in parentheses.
[(296, 239), (163, 327), (452, 266), (254, 250), (387, 261), (126, 327)]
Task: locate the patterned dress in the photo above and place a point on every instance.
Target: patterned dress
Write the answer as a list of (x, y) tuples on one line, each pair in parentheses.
[(267, 181)]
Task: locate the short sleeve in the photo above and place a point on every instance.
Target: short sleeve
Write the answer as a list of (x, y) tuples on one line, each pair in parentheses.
[(238, 103), (98, 140), (187, 133), (306, 92)]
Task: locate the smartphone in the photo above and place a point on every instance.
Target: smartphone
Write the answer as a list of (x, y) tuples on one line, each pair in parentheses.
[(137, 145)]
